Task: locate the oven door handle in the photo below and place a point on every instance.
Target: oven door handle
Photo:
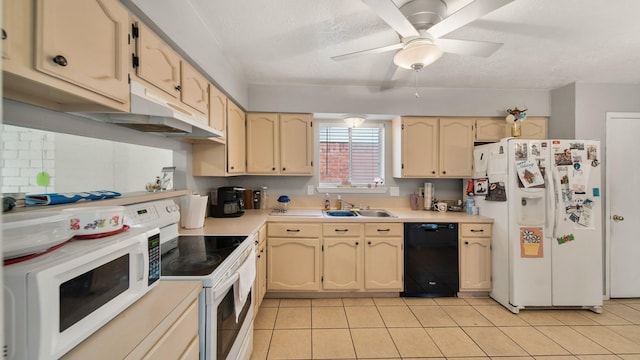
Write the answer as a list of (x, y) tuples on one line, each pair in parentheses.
[(221, 290)]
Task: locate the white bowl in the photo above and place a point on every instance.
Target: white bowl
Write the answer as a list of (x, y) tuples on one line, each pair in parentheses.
[(31, 232), (96, 220)]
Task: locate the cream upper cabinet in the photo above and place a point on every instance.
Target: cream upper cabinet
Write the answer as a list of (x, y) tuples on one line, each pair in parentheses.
[(343, 256), (157, 63), (415, 147), (534, 128), (217, 109), (262, 143), (89, 50), (494, 129), (236, 151), (475, 257), (279, 144), (491, 129), (383, 256), (56, 59), (296, 144), (456, 147), (293, 257), (194, 90)]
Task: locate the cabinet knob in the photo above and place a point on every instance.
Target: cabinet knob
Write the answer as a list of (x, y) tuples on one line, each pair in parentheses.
[(466, 243), (261, 250), (369, 242), (433, 172), (357, 243), (273, 169), (258, 256), (444, 172), (60, 60), (4, 35), (232, 168), (284, 169), (178, 87)]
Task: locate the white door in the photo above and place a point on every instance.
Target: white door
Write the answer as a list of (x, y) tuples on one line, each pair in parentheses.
[(623, 197)]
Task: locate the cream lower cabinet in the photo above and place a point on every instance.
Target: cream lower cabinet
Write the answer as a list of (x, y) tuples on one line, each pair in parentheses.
[(293, 257), (383, 256), (475, 257), (342, 256), (260, 284)]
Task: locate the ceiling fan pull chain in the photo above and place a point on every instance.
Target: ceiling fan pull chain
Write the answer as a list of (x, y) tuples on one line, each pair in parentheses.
[(415, 82)]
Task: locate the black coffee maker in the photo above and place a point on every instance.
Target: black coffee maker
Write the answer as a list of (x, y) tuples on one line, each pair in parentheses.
[(227, 201)]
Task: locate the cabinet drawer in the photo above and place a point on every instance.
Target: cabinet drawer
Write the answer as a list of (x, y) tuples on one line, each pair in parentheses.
[(383, 229), (346, 230), (178, 338), (293, 230), (475, 230)]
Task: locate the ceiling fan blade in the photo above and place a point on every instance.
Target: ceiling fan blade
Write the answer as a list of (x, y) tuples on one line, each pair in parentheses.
[(390, 13), (391, 77), (368, 52), (467, 47), (467, 14)]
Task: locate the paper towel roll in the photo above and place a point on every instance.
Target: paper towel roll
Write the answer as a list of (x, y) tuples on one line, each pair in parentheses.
[(192, 211), (429, 192)]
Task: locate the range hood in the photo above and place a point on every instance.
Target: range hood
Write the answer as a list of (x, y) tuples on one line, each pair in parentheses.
[(151, 113)]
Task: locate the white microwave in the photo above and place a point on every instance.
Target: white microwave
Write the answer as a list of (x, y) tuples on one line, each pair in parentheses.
[(55, 301)]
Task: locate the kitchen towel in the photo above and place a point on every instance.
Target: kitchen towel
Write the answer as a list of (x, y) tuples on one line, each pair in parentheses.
[(64, 198), (192, 211), (246, 277)]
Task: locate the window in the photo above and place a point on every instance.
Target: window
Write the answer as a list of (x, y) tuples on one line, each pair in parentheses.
[(353, 155)]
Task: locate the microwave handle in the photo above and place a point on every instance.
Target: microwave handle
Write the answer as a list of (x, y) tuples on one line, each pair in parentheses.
[(142, 267)]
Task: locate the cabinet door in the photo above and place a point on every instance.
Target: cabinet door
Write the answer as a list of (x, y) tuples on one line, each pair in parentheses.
[(383, 264), (342, 263), (296, 144), (84, 42), (262, 143), (534, 128), (491, 130), (419, 147), (217, 109), (293, 264), (194, 89), (456, 147), (15, 15), (236, 152), (475, 264), (158, 63)]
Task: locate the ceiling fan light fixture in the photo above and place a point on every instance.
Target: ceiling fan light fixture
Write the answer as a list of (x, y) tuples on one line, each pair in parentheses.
[(353, 121), (416, 53)]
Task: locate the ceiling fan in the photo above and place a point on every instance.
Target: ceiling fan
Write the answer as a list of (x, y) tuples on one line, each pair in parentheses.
[(420, 25)]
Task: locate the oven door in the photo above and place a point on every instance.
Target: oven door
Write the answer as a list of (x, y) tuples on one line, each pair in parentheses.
[(227, 338)]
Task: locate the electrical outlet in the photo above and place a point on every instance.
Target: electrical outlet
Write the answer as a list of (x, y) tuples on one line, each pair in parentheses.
[(394, 191), (310, 190)]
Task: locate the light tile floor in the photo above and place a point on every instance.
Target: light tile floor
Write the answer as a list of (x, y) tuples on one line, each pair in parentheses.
[(402, 328)]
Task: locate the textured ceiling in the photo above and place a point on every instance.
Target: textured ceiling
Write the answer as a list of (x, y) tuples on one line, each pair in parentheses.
[(547, 43)]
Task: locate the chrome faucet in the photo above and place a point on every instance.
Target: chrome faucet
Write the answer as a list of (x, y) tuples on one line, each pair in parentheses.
[(351, 205)]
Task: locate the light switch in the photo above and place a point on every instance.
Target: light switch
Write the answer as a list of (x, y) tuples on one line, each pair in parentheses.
[(394, 191), (310, 190)]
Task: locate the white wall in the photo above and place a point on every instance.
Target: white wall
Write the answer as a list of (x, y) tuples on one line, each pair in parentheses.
[(399, 101), (561, 124)]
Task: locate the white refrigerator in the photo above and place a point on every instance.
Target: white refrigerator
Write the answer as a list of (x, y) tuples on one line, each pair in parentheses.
[(545, 199)]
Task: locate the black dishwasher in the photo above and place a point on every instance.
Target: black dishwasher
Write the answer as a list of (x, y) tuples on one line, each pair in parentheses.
[(430, 260)]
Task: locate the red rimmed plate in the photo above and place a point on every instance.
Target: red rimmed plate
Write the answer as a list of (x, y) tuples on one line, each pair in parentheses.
[(101, 235)]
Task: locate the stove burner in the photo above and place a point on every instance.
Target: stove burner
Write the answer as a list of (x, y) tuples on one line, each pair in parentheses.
[(199, 263)]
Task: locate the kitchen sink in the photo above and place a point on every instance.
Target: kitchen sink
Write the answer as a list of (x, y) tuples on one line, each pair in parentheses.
[(340, 213), (359, 213), (375, 213)]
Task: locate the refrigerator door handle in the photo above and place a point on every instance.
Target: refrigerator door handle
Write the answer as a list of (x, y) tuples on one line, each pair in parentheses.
[(552, 197)]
